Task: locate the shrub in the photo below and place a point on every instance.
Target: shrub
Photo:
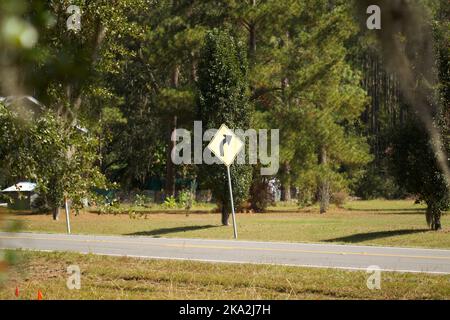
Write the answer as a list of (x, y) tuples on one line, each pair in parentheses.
[(170, 203), (339, 198), (376, 183), (185, 199), (112, 207), (142, 200), (414, 164)]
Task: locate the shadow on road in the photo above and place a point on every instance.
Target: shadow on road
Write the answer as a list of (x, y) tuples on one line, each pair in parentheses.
[(163, 231), (376, 235)]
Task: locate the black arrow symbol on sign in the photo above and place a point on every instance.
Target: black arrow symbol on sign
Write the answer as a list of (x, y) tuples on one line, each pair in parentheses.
[(227, 140)]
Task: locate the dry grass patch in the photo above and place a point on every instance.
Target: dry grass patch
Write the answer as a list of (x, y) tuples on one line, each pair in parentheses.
[(128, 278)]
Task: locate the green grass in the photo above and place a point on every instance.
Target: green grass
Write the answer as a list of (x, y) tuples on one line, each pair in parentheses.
[(378, 222), (126, 278)]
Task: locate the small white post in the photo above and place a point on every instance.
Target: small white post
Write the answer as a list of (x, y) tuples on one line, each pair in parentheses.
[(66, 205), (232, 203)]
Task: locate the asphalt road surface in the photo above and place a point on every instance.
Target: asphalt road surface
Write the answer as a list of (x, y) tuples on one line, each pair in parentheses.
[(231, 251)]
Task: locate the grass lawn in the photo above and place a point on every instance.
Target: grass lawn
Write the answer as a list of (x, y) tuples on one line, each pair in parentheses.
[(377, 222), (126, 278)]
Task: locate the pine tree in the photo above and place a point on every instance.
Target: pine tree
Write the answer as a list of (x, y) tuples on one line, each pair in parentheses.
[(175, 35), (265, 27), (318, 110)]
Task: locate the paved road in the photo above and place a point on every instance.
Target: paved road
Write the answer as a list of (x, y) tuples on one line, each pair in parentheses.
[(230, 251)]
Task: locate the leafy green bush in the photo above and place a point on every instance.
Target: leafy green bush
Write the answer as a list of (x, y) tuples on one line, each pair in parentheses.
[(170, 203), (141, 200), (414, 165), (185, 199), (377, 183), (112, 207)]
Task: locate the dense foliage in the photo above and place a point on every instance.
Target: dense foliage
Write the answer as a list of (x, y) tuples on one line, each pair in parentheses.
[(414, 165), (137, 69), (60, 160), (223, 99)]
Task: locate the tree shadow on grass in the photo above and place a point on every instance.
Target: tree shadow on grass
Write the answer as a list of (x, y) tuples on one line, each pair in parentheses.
[(390, 211), (163, 231), (359, 237), (22, 213)]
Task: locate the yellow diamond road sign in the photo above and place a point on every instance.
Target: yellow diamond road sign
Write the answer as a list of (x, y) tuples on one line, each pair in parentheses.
[(226, 145)]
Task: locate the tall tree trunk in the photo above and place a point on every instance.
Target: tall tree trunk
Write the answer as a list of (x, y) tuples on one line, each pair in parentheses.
[(433, 215), (324, 185), (170, 170), (252, 34), (194, 62), (252, 39), (55, 212), (225, 216), (286, 183), (176, 76)]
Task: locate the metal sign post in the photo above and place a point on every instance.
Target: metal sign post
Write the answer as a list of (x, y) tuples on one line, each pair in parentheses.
[(232, 203), (226, 145)]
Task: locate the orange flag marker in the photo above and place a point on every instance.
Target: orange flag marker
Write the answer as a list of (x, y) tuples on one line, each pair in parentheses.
[(39, 297), (17, 292)]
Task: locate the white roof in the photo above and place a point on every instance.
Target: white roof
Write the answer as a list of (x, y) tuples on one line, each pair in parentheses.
[(21, 186), (7, 101), (11, 99)]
